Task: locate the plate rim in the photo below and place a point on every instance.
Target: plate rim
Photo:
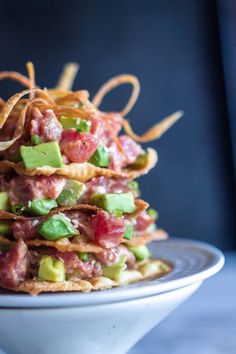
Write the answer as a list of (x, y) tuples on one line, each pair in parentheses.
[(126, 293)]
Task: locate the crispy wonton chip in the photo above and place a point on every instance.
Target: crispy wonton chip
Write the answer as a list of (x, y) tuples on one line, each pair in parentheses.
[(150, 269), (82, 172)]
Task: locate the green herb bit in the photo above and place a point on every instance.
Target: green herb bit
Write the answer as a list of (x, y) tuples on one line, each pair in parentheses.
[(18, 209), (36, 139), (84, 256)]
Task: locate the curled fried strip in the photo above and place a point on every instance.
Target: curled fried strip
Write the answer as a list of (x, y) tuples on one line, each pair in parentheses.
[(67, 76), (73, 97), (115, 82), (72, 112), (31, 74), (156, 131), (7, 108), (15, 76), (81, 171)]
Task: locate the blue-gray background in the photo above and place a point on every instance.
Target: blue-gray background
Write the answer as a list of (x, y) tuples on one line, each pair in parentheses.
[(180, 50)]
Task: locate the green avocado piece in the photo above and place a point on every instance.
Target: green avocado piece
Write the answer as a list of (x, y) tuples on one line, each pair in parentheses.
[(128, 231), (153, 212), (134, 186), (51, 269), (4, 201), (114, 201), (140, 162), (71, 193), (5, 228), (41, 206), (113, 271), (56, 227), (81, 125), (141, 252), (47, 154), (101, 157)]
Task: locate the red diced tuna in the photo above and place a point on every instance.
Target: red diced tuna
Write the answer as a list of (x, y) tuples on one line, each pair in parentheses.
[(143, 221), (73, 264), (25, 229), (46, 125), (13, 265), (131, 149), (22, 189), (78, 147), (108, 230)]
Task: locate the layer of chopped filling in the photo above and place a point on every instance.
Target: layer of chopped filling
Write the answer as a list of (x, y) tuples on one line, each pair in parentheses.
[(95, 140), (20, 262)]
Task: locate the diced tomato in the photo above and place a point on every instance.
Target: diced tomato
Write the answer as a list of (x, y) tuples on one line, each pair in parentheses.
[(46, 125), (143, 221), (78, 147), (108, 230)]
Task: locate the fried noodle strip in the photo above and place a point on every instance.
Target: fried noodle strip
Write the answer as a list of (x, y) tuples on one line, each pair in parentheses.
[(116, 82), (67, 76), (156, 131), (31, 74), (15, 76), (7, 109)]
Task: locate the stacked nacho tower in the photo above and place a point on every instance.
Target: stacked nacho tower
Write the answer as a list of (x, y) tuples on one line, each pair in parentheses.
[(71, 217)]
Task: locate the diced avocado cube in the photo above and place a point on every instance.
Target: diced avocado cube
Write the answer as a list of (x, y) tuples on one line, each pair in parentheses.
[(41, 206), (4, 201), (56, 227), (140, 162), (84, 256), (141, 252), (113, 271), (134, 186), (81, 125), (36, 139), (71, 193), (128, 231), (51, 269), (153, 212), (5, 228), (114, 201), (101, 157), (47, 154)]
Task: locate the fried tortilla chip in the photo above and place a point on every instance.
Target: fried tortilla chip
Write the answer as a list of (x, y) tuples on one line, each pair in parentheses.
[(151, 268), (81, 244), (140, 204), (82, 172)]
